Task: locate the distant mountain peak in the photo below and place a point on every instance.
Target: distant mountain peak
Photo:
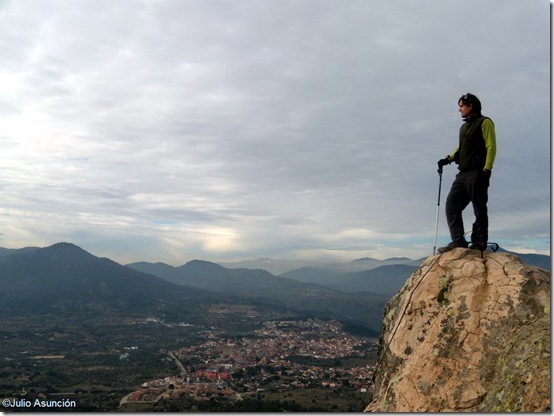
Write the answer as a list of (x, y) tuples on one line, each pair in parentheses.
[(64, 277), (69, 249), (64, 246), (203, 264), (364, 259)]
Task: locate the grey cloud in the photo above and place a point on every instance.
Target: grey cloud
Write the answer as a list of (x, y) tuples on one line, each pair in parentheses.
[(288, 127)]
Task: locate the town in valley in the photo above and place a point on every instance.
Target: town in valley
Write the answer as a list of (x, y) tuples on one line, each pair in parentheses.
[(279, 358)]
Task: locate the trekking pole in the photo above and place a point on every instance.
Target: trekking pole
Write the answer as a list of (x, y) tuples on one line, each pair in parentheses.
[(439, 170)]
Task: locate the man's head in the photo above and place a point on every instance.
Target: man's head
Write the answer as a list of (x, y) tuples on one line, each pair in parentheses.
[(469, 105)]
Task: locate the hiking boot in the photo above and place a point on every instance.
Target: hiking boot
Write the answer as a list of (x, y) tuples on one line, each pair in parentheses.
[(452, 246), (478, 246)]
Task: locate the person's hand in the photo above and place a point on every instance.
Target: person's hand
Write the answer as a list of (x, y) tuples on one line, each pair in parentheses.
[(485, 174), (442, 162)]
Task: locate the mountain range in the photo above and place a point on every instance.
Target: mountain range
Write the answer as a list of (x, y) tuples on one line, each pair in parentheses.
[(361, 308), (66, 278), (300, 283), (281, 267)]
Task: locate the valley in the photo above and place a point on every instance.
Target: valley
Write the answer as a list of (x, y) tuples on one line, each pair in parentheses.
[(277, 360), (131, 365)]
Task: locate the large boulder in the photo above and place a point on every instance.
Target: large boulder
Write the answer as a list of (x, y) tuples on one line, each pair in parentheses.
[(467, 333)]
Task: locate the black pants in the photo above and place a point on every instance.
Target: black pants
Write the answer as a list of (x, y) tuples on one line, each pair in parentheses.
[(471, 186)]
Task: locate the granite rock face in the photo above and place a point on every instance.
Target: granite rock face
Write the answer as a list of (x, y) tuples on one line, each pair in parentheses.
[(467, 334)]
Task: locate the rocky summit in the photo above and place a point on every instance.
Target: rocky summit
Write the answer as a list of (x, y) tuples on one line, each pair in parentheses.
[(467, 333)]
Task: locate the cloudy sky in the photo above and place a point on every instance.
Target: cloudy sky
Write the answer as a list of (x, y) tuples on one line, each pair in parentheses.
[(169, 130)]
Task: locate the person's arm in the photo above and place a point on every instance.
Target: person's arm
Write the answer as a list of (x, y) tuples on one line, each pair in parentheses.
[(452, 156), (490, 142)]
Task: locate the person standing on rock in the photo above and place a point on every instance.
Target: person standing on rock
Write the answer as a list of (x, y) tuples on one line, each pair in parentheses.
[(475, 156)]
